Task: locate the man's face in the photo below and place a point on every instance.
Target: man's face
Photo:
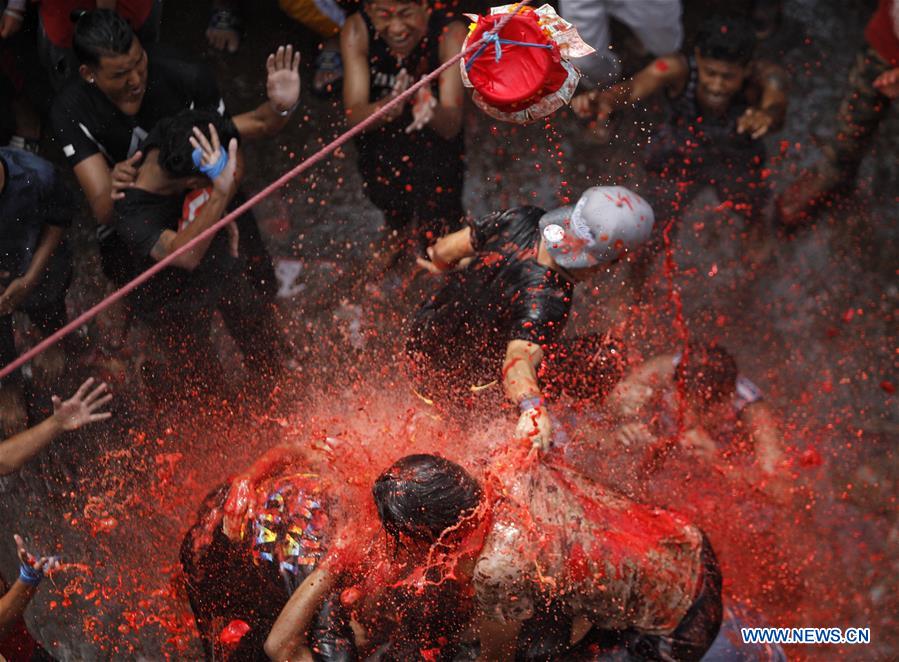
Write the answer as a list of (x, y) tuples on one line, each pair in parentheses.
[(401, 24), (122, 78), (719, 82)]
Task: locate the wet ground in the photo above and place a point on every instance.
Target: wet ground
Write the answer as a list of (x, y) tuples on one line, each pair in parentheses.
[(814, 326)]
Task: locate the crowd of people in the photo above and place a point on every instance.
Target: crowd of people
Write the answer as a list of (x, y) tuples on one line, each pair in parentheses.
[(541, 562)]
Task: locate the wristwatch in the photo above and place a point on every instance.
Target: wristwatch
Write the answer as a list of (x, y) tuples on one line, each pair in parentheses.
[(285, 113)]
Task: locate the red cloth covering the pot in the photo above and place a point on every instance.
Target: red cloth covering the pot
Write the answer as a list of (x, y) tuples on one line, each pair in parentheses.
[(524, 74)]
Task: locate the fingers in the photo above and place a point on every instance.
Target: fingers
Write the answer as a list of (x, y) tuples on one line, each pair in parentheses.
[(296, 62), (232, 151), (96, 393), (99, 403), (200, 141), (270, 64), (288, 57), (57, 402), (102, 416), (22, 553), (216, 145), (138, 155), (79, 394), (427, 265)]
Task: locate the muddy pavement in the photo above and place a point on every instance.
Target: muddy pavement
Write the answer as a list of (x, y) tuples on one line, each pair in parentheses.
[(813, 325)]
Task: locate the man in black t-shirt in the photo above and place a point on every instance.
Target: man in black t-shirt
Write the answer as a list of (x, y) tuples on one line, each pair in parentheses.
[(412, 160), (492, 319), (170, 203), (101, 118)]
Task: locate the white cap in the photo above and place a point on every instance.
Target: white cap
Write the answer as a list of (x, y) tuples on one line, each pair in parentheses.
[(606, 222)]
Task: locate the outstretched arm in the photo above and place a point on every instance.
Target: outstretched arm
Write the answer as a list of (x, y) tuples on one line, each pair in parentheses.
[(287, 640), (80, 409), (448, 251), (521, 386), (771, 110), (665, 73), (14, 602), (224, 186)]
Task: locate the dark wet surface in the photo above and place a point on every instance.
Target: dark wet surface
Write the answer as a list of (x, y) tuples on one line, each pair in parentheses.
[(814, 326)]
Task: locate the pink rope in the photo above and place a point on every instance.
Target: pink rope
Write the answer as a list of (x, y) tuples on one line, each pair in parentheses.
[(90, 313)]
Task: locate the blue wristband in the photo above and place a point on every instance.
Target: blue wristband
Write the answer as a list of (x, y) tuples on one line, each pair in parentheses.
[(212, 170), (530, 403), (30, 576)]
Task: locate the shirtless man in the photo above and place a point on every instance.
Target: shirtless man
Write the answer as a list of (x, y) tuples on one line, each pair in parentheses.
[(723, 410)]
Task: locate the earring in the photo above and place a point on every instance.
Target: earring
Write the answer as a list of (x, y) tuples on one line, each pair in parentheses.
[(91, 81)]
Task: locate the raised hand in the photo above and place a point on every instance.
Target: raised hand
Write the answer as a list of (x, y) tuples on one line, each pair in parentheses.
[(283, 82), (33, 569), (211, 150), (402, 83), (81, 408)]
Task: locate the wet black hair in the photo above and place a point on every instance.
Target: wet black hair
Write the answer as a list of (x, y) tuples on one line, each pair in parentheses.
[(100, 33), (422, 496), (728, 39), (709, 372), (171, 137)]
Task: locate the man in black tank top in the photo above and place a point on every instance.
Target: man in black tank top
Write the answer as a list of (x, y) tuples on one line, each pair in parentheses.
[(721, 101), (412, 161)]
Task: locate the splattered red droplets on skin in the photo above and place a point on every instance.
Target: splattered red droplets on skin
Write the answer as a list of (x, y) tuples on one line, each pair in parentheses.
[(661, 65)]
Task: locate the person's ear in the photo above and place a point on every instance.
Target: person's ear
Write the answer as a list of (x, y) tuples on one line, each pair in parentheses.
[(86, 74)]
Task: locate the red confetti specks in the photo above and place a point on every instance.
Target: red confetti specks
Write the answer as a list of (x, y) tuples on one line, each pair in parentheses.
[(104, 525), (888, 387), (661, 65), (233, 632), (810, 458)]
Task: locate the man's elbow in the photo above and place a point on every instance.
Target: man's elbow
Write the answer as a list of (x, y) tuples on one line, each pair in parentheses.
[(279, 649), (102, 210)]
